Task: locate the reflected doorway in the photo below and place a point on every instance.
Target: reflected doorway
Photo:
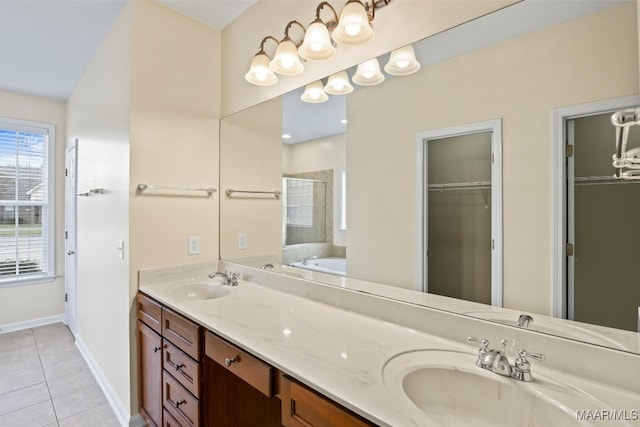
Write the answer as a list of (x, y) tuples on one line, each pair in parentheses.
[(461, 254), (602, 228)]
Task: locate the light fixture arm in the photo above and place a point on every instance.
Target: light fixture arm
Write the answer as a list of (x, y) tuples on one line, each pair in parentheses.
[(288, 27), (330, 24), (375, 4), (262, 43)]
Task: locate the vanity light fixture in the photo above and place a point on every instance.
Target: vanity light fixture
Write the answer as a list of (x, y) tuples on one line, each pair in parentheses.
[(368, 73), (317, 44), (338, 84), (314, 93), (260, 73), (353, 27), (402, 62), (286, 60)]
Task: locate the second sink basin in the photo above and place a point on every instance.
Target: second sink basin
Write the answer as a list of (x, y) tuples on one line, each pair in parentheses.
[(200, 291), (446, 388)]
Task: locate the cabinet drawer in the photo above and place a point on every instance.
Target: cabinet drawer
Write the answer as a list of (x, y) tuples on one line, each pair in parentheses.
[(182, 333), (150, 312), (305, 408), (182, 367), (252, 370), (168, 420), (179, 402)]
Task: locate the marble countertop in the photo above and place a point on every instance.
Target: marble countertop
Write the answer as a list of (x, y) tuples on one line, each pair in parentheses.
[(336, 352)]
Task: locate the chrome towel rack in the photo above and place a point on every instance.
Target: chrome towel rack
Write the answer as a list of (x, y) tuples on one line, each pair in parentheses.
[(144, 187), (91, 192), (275, 193)]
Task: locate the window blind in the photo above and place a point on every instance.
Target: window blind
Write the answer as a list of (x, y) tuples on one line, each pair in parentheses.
[(24, 202)]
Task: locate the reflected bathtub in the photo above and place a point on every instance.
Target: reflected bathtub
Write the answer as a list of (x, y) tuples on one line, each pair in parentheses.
[(337, 266)]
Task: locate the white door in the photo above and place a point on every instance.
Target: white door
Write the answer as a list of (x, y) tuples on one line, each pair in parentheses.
[(71, 309)]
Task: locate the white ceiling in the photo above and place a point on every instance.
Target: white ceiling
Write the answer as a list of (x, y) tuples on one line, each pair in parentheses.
[(215, 13), (47, 44)]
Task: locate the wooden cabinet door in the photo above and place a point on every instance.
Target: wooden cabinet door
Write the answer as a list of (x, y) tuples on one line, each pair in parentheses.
[(302, 407), (150, 374)]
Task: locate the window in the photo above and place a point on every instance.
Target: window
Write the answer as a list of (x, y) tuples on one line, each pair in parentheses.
[(343, 200), (299, 202), (26, 202)]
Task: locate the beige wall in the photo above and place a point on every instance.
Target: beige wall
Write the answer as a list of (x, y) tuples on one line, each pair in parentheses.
[(174, 136), (145, 111), (98, 116), (252, 155), (321, 154), (31, 302), (520, 81), (400, 23)]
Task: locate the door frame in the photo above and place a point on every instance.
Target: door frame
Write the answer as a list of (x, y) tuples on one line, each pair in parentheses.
[(422, 196), (70, 242), (561, 116)]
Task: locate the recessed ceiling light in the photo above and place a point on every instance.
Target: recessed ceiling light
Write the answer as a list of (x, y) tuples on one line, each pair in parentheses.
[(286, 136), (343, 121)]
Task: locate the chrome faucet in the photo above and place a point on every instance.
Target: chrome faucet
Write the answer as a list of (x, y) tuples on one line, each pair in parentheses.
[(497, 362), (228, 278), (524, 320), (266, 266), (305, 260)]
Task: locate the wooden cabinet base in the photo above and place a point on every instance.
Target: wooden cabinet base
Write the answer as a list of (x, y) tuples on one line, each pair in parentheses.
[(231, 402)]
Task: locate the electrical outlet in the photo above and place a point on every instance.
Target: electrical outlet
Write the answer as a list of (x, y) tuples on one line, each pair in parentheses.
[(120, 247), (242, 241), (194, 245)]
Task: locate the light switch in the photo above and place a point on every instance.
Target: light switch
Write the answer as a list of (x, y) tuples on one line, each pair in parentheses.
[(242, 241), (194, 245)]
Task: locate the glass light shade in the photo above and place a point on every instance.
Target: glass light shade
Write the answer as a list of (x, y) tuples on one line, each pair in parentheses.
[(286, 60), (353, 26), (402, 62), (317, 43), (314, 93), (368, 73), (338, 84), (259, 73)]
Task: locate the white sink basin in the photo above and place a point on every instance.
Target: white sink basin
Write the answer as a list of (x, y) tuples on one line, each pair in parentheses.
[(200, 291), (446, 388)]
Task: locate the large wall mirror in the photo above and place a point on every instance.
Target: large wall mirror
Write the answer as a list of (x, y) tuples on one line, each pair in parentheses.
[(445, 180)]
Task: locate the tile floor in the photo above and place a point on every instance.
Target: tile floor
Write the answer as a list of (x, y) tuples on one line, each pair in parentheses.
[(44, 381)]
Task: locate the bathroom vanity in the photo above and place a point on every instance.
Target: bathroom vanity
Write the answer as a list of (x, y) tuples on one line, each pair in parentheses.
[(286, 351), (190, 376)]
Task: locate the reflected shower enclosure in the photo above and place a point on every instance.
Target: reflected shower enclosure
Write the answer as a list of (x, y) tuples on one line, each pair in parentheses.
[(305, 211)]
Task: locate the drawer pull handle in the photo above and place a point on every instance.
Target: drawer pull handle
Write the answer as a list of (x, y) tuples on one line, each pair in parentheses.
[(228, 362), (180, 366), (155, 349), (182, 402)]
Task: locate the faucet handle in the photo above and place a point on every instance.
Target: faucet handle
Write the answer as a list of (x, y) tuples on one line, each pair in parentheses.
[(522, 368), (537, 356), (483, 342)]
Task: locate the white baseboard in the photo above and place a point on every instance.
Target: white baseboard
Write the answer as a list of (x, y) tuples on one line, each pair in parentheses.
[(123, 415), (34, 323)]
